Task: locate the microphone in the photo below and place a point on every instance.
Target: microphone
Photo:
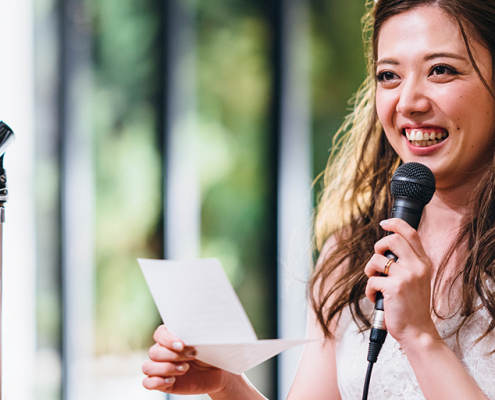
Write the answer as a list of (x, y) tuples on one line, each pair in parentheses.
[(412, 186), (6, 138)]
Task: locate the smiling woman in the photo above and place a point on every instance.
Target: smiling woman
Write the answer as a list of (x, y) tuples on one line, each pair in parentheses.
[(428, 98), (431, 101)]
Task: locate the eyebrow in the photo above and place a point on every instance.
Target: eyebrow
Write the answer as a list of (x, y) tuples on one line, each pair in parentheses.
[(387, 61), (429, 57), (444, 55)]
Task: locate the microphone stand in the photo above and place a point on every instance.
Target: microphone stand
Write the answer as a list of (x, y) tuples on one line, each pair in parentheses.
[(4, 194)]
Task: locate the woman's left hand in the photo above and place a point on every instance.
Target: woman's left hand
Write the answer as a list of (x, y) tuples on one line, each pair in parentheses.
[(407, 288)]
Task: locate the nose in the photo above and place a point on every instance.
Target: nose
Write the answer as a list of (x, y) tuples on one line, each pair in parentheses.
[(412, 98)]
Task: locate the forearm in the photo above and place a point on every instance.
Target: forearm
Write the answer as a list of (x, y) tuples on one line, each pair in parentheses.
[(440, 374), (239, 388)]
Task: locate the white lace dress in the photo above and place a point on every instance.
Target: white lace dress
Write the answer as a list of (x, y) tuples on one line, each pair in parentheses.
[(393, 377)]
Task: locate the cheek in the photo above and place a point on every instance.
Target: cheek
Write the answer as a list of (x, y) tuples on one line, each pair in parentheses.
[(385, 109), (468, 104), (476, 113), (393, 139)]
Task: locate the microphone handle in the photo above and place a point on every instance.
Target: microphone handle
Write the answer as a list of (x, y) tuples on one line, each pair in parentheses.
[(379, 295), (409, 210)]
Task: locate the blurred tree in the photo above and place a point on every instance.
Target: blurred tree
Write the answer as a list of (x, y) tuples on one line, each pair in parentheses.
[(128, 169), (338, 68), (234, 85)]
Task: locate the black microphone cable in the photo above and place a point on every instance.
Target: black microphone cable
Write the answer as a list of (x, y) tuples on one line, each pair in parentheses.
[(412, 187), (378, 334)]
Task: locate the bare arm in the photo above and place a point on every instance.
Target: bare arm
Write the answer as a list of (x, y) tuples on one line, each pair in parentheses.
[(439, 372), (316, 377), (407, 295), (239, 388), (172, 368)]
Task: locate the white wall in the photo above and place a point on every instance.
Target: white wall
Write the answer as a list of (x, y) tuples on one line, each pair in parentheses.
[(19, 272)]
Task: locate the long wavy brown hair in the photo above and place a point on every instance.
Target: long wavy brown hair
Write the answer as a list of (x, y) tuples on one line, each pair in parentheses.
[(356, 194)]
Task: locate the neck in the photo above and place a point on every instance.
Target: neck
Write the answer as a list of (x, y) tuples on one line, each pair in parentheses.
[(440, 224), (449, 206), (439, 228)]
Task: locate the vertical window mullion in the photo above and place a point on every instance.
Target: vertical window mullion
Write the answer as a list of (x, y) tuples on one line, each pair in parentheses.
[(275, 12), (76, 201), (294, 183), (182, 207)]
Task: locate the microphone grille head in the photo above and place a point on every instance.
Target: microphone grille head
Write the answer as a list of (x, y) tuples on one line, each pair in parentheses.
[(413, 180)]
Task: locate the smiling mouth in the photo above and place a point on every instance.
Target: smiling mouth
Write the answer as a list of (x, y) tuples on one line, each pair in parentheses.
[(425, 137)]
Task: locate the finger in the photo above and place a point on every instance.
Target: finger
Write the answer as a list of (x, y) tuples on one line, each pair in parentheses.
[(370, 291), (160, 353), (375, 284), (163, 337), (399, 246), (404, 281), (396, 225), (376, 265), (157, 383), (410, 256), (403, 229), (163, 369)]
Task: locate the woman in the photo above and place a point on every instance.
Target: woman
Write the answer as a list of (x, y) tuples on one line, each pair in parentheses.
[(430, 98)]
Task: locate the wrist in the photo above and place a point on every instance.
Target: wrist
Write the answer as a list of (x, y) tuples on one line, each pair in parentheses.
[(421, 343), (236, 387), (231, 381), (440, 374)]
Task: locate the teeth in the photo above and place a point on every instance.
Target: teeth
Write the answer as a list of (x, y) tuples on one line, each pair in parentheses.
[(424, 143), (423, 139)]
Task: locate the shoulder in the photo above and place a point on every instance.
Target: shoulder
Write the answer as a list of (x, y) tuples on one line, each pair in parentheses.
[(330, 267), (316, 377), (331, 247), (328, 282)]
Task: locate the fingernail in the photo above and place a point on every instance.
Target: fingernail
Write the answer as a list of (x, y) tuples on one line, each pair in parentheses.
[(177, 346), (182, 367), (383, 222), (191, 353), (169, 380)]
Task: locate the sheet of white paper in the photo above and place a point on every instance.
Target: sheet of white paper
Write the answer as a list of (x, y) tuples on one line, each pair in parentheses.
[(198, 304), (240, 357)]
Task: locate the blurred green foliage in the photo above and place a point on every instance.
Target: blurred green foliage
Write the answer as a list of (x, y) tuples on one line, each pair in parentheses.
[(234, 78), (234, 82), (338, 68), (234, 98), (128, 169)]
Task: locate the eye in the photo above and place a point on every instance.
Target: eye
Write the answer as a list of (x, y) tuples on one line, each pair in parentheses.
[(386, 76), (443, 70)]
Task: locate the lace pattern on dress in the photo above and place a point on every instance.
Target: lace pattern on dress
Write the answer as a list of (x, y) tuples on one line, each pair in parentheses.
[(393, 377)]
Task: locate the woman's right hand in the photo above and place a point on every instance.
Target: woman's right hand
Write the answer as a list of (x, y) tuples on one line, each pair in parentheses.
[(173, 368)]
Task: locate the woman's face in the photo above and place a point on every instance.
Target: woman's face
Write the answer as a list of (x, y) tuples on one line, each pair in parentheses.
[(430, 100)]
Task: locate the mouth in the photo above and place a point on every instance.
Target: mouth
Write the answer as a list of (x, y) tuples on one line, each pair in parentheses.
[(425, 137)]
